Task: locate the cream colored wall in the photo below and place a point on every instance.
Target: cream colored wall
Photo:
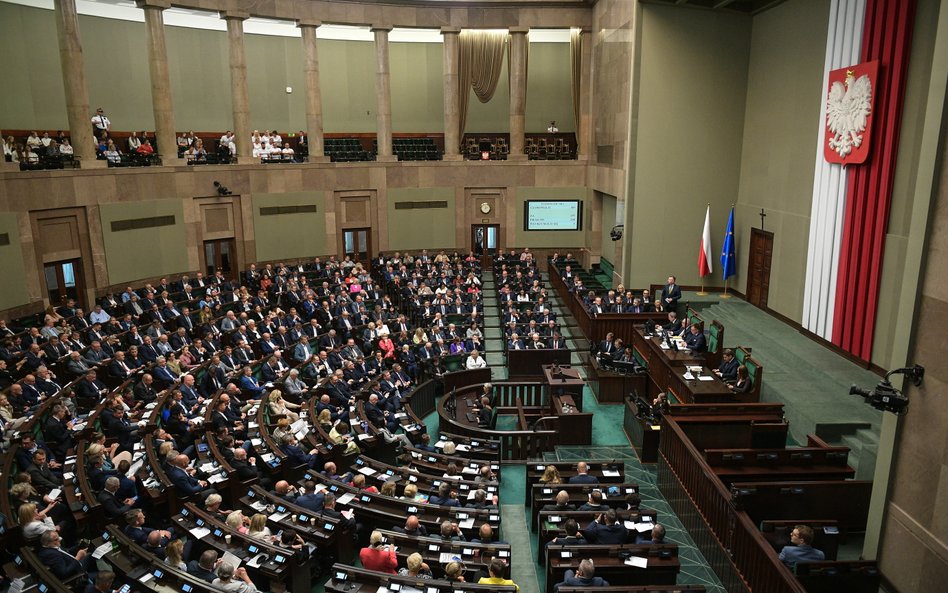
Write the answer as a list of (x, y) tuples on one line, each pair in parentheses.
[(143, 253), (290, 236), (11, 262), (690, 121), (421, 229), (781, 124)]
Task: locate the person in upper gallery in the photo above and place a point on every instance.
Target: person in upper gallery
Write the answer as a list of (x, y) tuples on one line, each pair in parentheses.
[(742, 382), (100, 123), (655, 536), (606, 529), (727, 370), (695, 339), (585, 576), (582, 475), (801, 549), (671, 294)]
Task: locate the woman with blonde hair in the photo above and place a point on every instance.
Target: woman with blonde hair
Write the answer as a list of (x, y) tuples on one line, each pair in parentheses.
[(235, 521), (324, 419), (174, 554), (281, 407), (388, 488), (416, 568), (34, 523), (411, 492), (551, 475), (420, 337), (258, 527)]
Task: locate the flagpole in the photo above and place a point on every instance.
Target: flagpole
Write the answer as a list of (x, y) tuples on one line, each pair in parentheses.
[(726, 295)]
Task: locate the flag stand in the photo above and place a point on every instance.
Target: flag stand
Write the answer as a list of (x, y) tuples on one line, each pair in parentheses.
[(702, 292), (726, 295)]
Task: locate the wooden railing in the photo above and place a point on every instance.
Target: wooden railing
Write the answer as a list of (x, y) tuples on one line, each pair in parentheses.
[(727, 537)]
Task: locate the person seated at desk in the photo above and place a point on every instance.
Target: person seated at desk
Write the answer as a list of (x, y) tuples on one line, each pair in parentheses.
[(64, 564), (340, 435), (310, 499), (801, 549), (204, 567), (573, 537), (607, 346), (416, 568), (695, 339), (743, 383), (606, 529), (475, 361), (485, 535), (481, 501), (445, 496), (295, 454), (727, 370), (561, 503), (625, 356), (377, 557), (594, 503), (233, 580), (655, 536), (497, 571), (582, 475), (585, 576), (412, 525)]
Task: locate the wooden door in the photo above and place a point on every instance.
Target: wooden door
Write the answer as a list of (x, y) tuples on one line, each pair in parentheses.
[(758, 277), (357, 244), (220, 256)]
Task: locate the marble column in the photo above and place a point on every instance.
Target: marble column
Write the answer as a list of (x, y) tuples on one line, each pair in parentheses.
[(74, 82), (584, 125), (452, 119), (314, 99), (383, 94), (238, 83), (161, 100), (518, 90)]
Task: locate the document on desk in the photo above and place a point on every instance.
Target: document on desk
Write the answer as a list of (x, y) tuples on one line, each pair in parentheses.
[(200, 532), (610, 473), (705, 378), (348, 513), (345, 498), (216, 478), (298, 425), (368, 470), (446, 557), (637, 561), (258, 505), (643, 527), (233, 560), (364, 436), (102, 550), (55, 493), (466, 524), (279, 516)]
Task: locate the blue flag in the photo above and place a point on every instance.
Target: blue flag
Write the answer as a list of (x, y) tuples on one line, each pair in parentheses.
[(727, 252)]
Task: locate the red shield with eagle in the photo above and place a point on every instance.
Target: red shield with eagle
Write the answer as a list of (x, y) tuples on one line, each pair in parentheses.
[(849, 104)]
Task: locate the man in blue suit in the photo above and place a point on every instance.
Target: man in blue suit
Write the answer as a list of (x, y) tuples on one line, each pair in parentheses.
[(606, 530), (671, 295), (695, 339), (184, 483), (295, 454), (585, 576), (61, 563), (727, 370), (802, 550), (310, 499), (582, 475)]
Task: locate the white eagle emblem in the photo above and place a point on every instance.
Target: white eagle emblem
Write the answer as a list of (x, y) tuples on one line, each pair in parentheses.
[(847, 112)]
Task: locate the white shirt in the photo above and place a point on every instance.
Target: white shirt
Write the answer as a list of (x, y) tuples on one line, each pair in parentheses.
[(475, 363), (101, 122)]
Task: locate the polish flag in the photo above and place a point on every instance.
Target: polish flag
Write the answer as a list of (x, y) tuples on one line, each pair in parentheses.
[(704, 252)]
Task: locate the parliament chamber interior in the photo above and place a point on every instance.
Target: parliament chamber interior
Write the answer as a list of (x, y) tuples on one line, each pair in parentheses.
[(459, 296)]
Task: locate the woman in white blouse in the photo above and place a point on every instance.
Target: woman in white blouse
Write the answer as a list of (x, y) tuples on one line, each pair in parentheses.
[(474, 361)]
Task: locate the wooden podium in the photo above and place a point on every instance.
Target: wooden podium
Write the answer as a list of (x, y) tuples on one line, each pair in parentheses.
[(564, 399)]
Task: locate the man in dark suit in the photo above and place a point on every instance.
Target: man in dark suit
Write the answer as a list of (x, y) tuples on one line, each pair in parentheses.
[(582, 475), (329, 510), (573, 536), (607, 346), (58, 432), (310, 499), (144, 391), (412, 527), (41, 475), (594, 503), (114, 508), (673, 325), (61, 563), (727, 370), (655, 536), (562, 503), (696, 340), (444, 497), (606, 529), (801, 551), (204, 568), (671, 294), (186, 484), (296, 456), (135, 528), (585, 576)]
